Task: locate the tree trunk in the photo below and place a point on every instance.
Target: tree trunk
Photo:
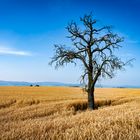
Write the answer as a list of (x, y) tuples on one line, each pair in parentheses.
[(91, 104), (90, 82), (90, 90)]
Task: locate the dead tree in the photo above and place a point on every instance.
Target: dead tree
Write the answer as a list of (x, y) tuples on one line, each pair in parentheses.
[(94, 47)]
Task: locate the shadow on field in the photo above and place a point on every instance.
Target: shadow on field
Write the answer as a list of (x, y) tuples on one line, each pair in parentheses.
[(7, 103), (83, 105)]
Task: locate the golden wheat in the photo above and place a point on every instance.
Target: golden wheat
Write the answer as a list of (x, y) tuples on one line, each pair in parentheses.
[(42, 113)]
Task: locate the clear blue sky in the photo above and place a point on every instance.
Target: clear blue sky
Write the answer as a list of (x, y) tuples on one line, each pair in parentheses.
[(29, 28)]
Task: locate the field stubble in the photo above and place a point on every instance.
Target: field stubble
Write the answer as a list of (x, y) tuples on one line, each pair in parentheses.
[(42, 113)]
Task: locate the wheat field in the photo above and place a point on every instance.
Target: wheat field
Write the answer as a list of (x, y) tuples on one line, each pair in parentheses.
[(60, 113)]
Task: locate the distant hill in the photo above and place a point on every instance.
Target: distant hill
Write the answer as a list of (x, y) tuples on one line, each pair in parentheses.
[(17, 83), (128, 86), (14, 83), (56, 84)]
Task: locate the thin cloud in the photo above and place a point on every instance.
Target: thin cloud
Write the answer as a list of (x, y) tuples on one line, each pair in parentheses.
[(12, 51), (132, 41), (128, 39), (131, 55)]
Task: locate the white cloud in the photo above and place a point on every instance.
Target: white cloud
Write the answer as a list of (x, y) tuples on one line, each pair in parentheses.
[(12, 51)]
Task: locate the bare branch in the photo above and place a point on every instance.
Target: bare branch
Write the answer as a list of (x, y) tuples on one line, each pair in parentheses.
[(94, 47), (75, 32), (64, 56)]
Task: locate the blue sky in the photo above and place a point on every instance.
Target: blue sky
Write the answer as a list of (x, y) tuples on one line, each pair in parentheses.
[(29, 28)]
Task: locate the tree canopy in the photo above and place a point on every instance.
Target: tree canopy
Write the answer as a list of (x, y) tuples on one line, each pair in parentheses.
[(94, 47)]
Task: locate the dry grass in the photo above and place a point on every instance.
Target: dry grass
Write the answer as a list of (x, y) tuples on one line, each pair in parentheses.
[(42, 113)]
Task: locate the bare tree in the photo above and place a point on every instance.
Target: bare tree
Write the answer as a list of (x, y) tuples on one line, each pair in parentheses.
[(94, 47)]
